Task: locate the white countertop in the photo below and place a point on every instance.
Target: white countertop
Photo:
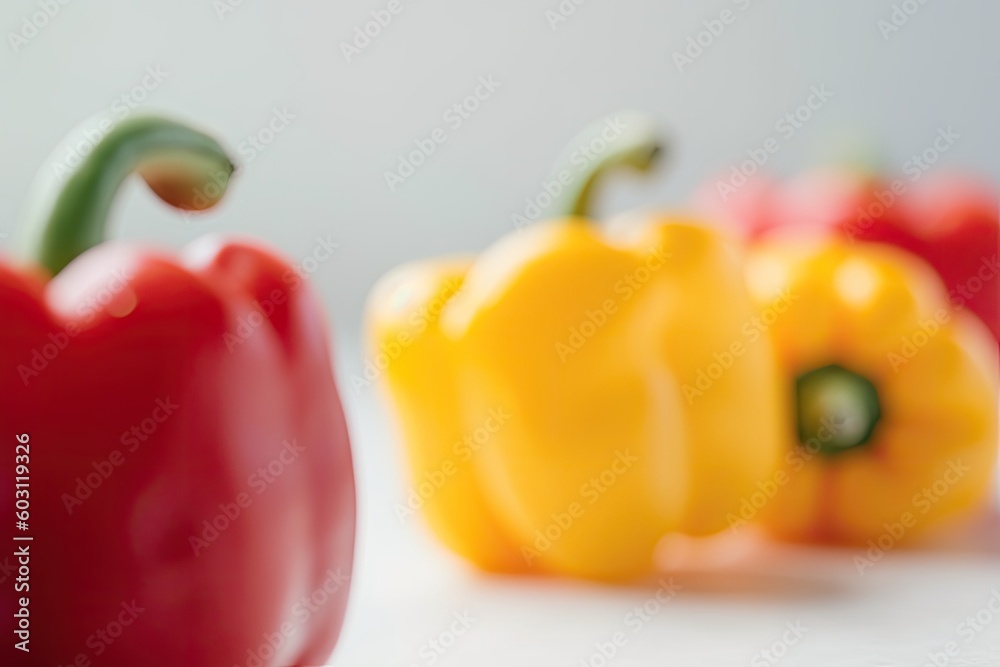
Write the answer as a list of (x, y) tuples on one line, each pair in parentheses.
[(810, 606)]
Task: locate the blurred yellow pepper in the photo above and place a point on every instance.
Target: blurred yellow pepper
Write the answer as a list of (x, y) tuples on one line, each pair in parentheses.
[(572, 395), (895, 396)]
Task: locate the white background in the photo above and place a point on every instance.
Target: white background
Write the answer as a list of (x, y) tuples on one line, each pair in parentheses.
[(324, 176)]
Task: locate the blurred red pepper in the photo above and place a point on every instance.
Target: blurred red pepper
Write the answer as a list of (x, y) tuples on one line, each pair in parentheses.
[(183, 467), (952, 220)]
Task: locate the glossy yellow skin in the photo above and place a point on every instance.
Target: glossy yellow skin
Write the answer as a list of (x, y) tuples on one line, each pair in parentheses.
[(591, 344), (933, 452), (420, 377)]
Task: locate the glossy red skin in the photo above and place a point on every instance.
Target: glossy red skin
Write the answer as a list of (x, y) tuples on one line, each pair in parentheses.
[(950, 220), (957, 229), (130, 539)]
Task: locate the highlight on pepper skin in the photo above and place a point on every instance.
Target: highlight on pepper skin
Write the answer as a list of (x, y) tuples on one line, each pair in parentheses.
[(895, 394), (603, 453), (161, 473), (663, 378)]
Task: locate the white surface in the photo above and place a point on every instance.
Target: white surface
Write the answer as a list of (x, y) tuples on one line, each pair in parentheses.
[(408, 590)]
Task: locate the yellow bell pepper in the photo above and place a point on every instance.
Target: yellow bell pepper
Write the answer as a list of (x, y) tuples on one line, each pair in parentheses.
[(572, 395), (895, 396)]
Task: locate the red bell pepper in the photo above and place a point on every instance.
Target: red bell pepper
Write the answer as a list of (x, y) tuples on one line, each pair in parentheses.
[(951, 220), (176, 452)]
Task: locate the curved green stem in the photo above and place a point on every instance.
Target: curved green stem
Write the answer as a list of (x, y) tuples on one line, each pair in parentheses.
[(620, 140), (837, 409), (73, 194)]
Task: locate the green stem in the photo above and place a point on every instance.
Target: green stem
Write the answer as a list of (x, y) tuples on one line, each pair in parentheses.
[(624, 139), (73, 194), (837, 409)]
